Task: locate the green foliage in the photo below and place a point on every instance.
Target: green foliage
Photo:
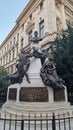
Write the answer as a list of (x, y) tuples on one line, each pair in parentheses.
[(3, 83), (63, 56)]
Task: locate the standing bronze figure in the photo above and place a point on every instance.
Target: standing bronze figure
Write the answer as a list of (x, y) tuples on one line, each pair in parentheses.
[(22, 68)]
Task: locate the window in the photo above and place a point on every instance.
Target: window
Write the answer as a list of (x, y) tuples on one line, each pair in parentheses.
[(30, 16), (1, 61), (6, 58), (2, 52), (14, 40), (30, 34), (41, 28), (7, 47), (41, 5), (22, 27), (17, 49), (10, 44), (22, 42), (17, 37), (10, 56), (13, 54)]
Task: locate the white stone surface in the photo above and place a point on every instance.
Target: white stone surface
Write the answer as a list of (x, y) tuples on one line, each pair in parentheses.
[(34, 74)]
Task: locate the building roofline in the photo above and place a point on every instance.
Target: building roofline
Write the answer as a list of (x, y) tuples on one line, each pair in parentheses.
[(24, 11), (11, 32)]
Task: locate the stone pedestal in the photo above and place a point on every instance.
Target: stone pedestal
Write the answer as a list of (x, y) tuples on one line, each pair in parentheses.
[(34, 98), (26, 100)]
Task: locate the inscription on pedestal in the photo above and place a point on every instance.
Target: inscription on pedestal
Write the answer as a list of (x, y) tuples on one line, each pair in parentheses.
[(59, 95), (12, 93), (33, 94)]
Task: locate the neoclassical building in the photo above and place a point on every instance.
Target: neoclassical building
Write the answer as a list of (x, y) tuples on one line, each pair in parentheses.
[(45, 16)]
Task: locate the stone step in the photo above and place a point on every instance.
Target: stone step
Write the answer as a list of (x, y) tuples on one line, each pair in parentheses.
[(32, 108)]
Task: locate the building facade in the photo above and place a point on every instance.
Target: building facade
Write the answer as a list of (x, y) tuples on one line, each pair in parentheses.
[(45, 16)]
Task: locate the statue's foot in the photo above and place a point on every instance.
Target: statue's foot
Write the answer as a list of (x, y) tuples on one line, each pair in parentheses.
[(29, 81)]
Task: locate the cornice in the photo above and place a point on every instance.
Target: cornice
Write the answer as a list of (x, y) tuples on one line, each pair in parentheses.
[(64, 1), (25, 10), (11, 32), (31, 6), (68, 5), (69, 1)]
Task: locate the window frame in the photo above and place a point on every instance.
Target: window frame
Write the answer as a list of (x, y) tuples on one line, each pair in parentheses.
[(30, 34), (41, 28)]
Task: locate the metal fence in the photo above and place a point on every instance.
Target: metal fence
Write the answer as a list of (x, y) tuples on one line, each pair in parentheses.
[(63, 123)]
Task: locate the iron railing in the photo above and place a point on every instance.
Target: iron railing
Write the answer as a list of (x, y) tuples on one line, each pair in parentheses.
[(59, 123)]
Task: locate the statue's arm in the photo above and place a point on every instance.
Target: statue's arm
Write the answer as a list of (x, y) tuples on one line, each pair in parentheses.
[(31, 40), (27, 65), (30, 55)]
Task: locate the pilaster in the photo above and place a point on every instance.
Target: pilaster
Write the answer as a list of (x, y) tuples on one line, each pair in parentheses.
[(52, 16), (63, 17)]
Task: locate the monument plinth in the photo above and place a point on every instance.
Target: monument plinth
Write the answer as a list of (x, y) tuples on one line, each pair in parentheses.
[(36, 87)]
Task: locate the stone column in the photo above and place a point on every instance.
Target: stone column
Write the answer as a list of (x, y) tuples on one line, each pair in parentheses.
[(52, 16), (47, 17), (63, 17)]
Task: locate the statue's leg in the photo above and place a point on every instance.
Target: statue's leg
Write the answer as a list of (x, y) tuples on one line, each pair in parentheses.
[(27, 78), (20, 79), (42, 60)]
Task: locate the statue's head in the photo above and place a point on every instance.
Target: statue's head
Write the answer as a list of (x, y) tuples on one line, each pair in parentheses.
[(35, 33)]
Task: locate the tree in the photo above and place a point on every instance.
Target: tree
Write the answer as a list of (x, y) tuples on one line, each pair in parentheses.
[(3, 83), (63, 56)]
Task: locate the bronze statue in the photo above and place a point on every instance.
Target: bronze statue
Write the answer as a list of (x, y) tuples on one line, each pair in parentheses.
[(37, 52), (22, 68), (48, 71), (49, 75), (35, 39), (23, 65)]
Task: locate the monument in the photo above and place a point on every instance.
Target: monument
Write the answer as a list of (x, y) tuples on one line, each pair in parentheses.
[(35, 86)]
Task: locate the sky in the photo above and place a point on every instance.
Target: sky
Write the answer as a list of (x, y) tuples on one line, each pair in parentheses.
[(9, 12)]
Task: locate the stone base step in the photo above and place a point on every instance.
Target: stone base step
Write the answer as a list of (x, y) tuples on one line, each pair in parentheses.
[(33, 108)]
